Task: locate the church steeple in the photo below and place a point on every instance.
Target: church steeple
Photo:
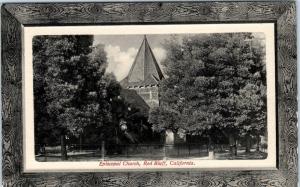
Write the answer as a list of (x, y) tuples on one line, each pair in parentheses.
[(143, 77), (145, 69)]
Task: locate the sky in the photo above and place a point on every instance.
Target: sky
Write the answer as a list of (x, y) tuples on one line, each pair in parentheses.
[(122, 49)]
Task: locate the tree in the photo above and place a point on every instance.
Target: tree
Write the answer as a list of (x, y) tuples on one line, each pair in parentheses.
[(44, 131), (69, 84), (205, 74), (74, 95), (252, 102), (252, 119), (126, 106)]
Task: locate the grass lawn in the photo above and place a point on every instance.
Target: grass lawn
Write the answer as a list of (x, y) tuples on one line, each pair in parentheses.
[(241, 155), (152, 154)]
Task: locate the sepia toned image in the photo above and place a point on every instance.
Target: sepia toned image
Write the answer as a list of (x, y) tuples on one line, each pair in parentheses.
[(150, 97)]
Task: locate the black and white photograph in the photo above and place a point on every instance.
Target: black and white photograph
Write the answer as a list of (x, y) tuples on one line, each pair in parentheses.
[(149, 94), (145, 98), (195, 96)]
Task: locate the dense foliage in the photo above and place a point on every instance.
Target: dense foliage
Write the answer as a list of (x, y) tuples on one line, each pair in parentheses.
[(75, 99), (69, 84), (215, 85)]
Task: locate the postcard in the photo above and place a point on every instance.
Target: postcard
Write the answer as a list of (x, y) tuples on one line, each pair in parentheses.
[(149, 97)]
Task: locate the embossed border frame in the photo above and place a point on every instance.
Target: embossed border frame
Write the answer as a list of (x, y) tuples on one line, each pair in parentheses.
[(16, 16)]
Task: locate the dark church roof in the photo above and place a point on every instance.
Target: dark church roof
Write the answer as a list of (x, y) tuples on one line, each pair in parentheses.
[(134, 99), (144, 70)]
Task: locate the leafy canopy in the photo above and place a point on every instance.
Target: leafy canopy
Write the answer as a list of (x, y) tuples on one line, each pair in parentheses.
[(215, 82)]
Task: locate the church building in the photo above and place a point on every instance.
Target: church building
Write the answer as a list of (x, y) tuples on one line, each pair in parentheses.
[(144, 75), (143, 79)]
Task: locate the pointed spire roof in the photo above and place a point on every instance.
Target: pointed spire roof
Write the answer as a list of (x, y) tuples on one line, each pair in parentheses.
[(145, 69)]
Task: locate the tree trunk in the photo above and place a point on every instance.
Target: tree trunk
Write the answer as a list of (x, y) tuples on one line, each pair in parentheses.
[(248, 143), (102, 149), (64, 155), (232, 145), (211, 153), (235, 147), (80, 142), (257, 142)]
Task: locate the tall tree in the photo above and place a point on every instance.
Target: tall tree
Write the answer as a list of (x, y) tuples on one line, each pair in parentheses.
[(252, 101), (74, 95), (204, 75), (70, 91)]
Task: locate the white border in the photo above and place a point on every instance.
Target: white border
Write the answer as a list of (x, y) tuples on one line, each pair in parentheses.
[(31, 165)]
